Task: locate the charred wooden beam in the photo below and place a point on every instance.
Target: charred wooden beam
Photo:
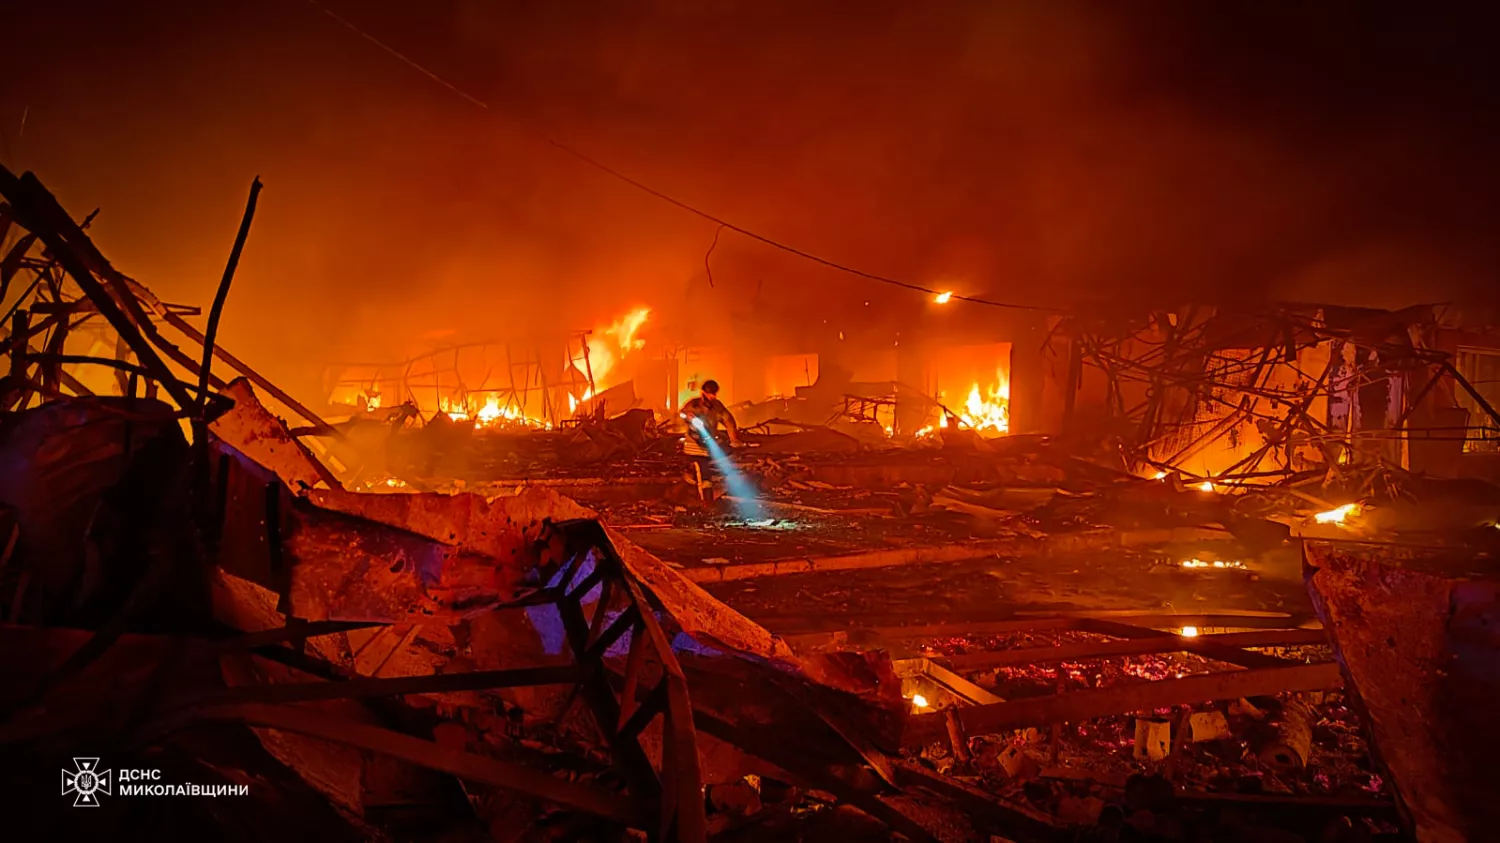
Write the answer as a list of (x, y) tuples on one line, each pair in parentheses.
[(1133, 647), (1139, 696), (1204, 646)]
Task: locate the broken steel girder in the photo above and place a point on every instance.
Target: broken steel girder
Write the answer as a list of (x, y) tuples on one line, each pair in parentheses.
[(1421, 653)]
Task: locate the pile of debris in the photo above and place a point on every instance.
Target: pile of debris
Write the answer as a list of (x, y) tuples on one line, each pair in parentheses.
[(192, 597)]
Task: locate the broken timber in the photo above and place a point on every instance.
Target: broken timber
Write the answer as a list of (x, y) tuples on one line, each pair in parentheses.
[(1090, 540), (1088, 705), (1135, 647)]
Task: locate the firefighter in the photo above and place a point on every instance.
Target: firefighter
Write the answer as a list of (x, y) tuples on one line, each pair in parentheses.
[(704, 415)]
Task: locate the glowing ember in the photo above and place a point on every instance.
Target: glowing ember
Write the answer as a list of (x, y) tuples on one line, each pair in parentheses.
[(926, 432), (988, 414), (1337, 515), (1160, 475), (1189, 632), (919, 701), (1205, 486), (372, 401), (1212, 563), (943, 298)]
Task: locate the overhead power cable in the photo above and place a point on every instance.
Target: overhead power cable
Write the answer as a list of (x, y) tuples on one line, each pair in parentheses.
[(645, 188)]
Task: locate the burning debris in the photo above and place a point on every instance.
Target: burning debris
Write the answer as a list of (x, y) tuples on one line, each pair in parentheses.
[(1339, 514), (1216, 564), (489, 589)]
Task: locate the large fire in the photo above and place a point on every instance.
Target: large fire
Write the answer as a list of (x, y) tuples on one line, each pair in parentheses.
[(489, 415), (988, 413), (985, 410), (487, 407), (616, 340)]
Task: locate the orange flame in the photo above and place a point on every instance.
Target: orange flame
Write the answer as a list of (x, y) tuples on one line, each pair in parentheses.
[(490, 415), (615, 341), (990, 413), (454, 410), (624, 329)]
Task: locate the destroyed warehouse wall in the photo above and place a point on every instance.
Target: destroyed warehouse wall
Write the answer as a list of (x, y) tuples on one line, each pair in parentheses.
[(786, 362), (1232, 391)]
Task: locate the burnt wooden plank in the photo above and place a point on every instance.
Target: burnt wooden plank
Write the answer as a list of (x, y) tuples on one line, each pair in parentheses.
[(1103, 702), (1207, 649), (1132, 647)]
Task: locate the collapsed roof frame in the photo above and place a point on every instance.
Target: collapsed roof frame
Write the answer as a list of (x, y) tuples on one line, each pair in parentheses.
[(1199, 356), (524, 367), (132, 310)]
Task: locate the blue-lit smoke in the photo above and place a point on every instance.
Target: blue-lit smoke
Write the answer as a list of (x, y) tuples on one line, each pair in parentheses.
[(746, 503)]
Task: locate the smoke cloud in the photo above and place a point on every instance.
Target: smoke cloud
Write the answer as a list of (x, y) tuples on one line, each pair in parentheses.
[(1046, 153)]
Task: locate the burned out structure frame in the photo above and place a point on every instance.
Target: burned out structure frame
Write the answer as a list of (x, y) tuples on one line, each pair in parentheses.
[(801, 717)]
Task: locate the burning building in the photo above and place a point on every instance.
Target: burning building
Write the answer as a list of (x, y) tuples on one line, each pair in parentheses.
[(1229, 397), (768, 365), (478, 567), (1041, 521)]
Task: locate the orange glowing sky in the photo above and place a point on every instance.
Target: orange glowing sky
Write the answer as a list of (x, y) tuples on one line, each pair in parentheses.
[(1032, 151)]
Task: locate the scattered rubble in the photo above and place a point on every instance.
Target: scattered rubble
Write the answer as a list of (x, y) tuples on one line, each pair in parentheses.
[(505, 631)]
